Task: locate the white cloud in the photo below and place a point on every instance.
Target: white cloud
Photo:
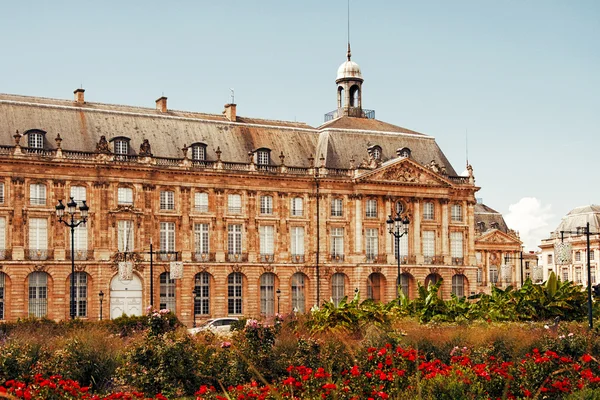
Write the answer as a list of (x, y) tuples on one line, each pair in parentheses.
[(530, 218)]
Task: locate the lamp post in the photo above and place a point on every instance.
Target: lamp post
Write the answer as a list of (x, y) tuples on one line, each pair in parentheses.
[(512, 258), (72, 223), (278, 291), (101, 295), (398, 227)]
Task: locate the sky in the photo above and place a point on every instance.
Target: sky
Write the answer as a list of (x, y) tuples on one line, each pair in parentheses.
[(513, 85)]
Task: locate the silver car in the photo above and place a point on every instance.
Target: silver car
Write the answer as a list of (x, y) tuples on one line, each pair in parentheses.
[(221, 326)]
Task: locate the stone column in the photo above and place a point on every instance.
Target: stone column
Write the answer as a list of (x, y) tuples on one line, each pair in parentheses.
[(445, 223), (358, 219), (220, 230), (470, 258), (185, 230), (281, 245), (414, 231)]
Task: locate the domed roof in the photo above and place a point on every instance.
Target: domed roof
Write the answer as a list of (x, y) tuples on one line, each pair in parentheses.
[(579, 217), (349, 69)]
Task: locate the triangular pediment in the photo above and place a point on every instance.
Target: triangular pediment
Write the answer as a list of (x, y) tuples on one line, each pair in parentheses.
[(495, 236), (403, 171)]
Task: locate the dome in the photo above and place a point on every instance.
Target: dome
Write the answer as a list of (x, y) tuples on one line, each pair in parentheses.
[(579, 217), (349, 69)]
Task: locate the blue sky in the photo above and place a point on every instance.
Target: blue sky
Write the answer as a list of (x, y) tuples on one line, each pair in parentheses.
[(520, 76)]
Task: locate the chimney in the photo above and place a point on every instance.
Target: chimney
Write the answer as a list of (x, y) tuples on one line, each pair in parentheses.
[(79, 99), (161, 104), (230, 112)]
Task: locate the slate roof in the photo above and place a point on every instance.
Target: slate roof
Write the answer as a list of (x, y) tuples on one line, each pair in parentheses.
[(489, 216)]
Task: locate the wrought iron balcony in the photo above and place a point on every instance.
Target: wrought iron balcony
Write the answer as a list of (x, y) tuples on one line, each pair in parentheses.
[(376, 258), (336, 257), (351, 112), (297, 258), (81, 255), (203, 257), (38, 254), (458, 261), (433, 260), (267, 258), (237, 257), (412, 259), (167, 256)]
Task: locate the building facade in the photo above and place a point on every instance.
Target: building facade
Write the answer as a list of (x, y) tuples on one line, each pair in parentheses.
[(266, 216)]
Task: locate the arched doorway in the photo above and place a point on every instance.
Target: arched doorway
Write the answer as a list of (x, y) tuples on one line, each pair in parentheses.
[(375, 286), (125, 297), (433, 279)]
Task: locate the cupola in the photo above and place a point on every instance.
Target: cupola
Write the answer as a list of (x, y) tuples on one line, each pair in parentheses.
[(349, 88)]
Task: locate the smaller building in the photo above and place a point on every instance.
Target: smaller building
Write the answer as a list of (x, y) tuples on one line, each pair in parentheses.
[(565, 251)]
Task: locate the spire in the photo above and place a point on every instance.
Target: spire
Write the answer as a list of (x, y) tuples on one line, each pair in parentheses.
[(349, 54)]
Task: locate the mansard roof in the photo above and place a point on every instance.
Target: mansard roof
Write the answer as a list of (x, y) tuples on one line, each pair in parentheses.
[(488, 216)]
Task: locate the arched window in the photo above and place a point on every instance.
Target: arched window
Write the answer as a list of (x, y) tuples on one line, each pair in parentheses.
[(404, 284), (354, 96), (234, 293), (80, 305), (458, 285), (202, 294), (199, 152), (340, 97), (167, 292), (432, 279), (399, 207), (298, 298), (267, 294), (481, 226), (337, 287), (38, 294), (2, 291), (375, 152), (403, 152), (374, 286)]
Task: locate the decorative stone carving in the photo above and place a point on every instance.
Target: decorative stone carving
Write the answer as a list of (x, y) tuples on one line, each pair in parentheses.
[(236, 268), (376, 269), (267, 268), (17, 137), (402, 174), (58, 141), (459, 271), (102, 146), (80, 268), (17, 180), (39, 268), (145, 149), (406, 270), (434, 270)]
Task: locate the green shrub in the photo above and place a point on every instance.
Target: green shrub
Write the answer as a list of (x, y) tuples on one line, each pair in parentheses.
[(19, 359)]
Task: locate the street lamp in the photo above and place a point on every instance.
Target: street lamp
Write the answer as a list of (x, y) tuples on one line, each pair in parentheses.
[(398, 227), (72, 223), (101, 295), (278, 291)]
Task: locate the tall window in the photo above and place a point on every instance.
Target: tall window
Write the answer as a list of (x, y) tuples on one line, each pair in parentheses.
[(80, 238), (371, 211), (1, 193), (121, 146), (428, 211), (38, 294), (263, 157), (167, 292), (374, 286), (456, 213), (578, 275), (266, 204), (297, 207), (458, 285), (202, 294), (35, 140), (337, 242), (298, 299), (78, 194), (403, 247), (267, 294), (234, 239), (479, 275), (297, 240), (372, 247), (577, 256), (404, 284), (549, 258), (167, 238), (234, 293), (456, 247), (591, 255), (428, 246), (201, 238), (198, 152), (125, 236), (37, 194), (167, 200), (80, 294), (337, 287), (565, 274), (201, 201), (2, 286), (125, 196), (266, 240), (493, 274), (234, 204), (38, 236), (336, 207)]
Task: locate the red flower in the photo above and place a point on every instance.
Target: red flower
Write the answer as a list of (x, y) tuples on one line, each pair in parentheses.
[(586, 358)]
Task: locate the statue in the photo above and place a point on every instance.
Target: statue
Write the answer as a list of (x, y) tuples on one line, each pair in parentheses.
[(145, 149), (102, 146)]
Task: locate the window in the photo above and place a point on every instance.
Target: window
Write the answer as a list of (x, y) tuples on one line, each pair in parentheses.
[(399, 207), (297, 241), (479, 275), (337, 243), (2, 237), (201, 239), (266, 205), (478, 257), (121, 146), (297, 207), (591, 255), (404, 284), (428, 246), (167, 292), (493, 274), (403, 247), (78, 194), (337, 287), (458, 285), (578, 275), (125, 196), (198, 152), (371, 211), (336, 207), (234, 203), (167, 200), (593, 275), (456, 247), (263, 157), (125, 236), (374, 287), (428, 210), (234, 239), (549, 258), (37, 194), (376, 152), (38, 236), (234, 293), (201, 201), (167, 238), (80, 239), (266, 240), (1, 193), (403, 152), (202, 294), (371, 250), (577, 256), (267, 294), (80, 294), (456, 213), (526, 264), (565, 274), (2, 286), (298, 300), (38, 294), (35, 140)]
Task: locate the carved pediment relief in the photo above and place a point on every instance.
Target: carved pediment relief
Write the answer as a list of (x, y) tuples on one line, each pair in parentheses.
[(404, 171), (496, 237)]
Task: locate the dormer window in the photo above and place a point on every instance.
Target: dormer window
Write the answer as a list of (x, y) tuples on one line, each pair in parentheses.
[(121, 146), (403, 152), (375, 152), (35, 139), (481, 226), (263, 157), (199, 152)]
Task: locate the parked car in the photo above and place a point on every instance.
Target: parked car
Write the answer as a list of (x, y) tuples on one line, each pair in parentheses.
[(217, 325)]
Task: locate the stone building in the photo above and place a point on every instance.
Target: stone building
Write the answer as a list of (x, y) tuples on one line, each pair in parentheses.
[(265, 215), (572, 265)]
